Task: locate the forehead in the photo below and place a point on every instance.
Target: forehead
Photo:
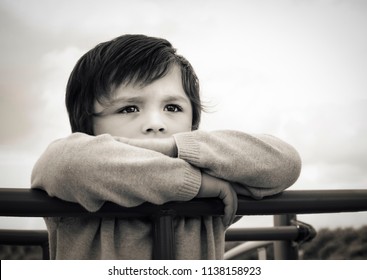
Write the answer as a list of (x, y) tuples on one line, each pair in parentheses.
[(169, 85)]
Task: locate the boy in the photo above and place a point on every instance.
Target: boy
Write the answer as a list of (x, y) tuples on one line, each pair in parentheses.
[(134, 109)]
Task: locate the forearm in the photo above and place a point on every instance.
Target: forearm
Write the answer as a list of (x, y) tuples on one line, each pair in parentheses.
[(91, 170), (166, 146), (260, 164)]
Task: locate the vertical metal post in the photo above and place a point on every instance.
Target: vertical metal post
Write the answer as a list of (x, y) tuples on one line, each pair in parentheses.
[(45, 251), (163, 237), (261, 253), (285, 250)]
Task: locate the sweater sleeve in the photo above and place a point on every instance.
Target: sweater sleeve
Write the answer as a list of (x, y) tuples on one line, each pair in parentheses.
[(90, 170), (256, 165)]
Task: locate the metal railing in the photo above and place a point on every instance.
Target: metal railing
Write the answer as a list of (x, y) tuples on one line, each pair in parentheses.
[(35, 203)]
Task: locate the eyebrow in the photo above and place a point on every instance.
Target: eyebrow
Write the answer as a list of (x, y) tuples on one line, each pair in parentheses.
[(140, 99), (128, 99), (175, 98)]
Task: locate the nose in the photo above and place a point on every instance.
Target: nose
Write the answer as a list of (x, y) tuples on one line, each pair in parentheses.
[(154, 124)]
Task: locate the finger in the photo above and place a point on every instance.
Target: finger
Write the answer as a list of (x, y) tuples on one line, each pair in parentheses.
[(235, 206), (229, 198), (230, 207)]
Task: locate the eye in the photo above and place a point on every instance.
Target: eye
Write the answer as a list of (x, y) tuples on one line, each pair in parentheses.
[(173, 108), (128, 110)]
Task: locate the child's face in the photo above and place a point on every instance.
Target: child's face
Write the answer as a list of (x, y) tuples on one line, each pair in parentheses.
[(159, 109)]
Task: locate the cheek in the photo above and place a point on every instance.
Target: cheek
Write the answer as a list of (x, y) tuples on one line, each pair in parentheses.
[(189, 121), (183, 124), (97, 126), (112, 126)]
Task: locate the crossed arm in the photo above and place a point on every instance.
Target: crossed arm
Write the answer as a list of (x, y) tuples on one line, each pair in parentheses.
[(211, 185), (90, 170)]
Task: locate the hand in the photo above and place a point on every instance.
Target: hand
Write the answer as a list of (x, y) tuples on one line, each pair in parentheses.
[(214, 187)]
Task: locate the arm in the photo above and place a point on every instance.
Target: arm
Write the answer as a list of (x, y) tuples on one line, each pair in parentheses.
[(256, 165), (166, 146), (210, 186), (90, 170)]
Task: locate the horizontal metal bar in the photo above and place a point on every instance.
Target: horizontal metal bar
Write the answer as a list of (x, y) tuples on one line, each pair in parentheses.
[(23, 237), (261, 233), (26, 238), (38, 237), (306, 202), (36, 203)]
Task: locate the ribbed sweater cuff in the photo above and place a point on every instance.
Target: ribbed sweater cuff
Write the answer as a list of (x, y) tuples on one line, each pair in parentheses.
[(187, 148), (192, 183)]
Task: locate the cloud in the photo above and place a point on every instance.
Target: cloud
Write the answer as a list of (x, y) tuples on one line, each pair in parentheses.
[(331, 138), (20, 101), (33, 74), (15, 117)]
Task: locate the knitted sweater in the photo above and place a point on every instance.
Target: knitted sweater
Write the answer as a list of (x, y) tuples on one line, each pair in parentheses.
[(91, 170)]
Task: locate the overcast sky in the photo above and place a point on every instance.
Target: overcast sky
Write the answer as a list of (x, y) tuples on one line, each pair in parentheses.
[(295, 69)]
